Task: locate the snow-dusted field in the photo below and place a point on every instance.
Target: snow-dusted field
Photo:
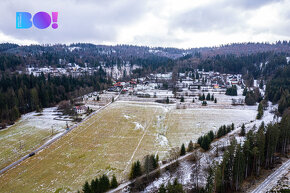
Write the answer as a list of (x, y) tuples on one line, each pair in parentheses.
[(184, 171), (32, 130), (112, 139)]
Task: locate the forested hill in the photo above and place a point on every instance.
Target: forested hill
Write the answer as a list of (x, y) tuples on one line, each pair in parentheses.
[(278, 89), (14, 57)]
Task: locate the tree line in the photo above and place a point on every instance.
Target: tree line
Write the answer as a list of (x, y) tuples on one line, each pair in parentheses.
[(21, 93), (241, 161), (100, 185), (150, 164), (232, 91), (205, 140), (278, 89)]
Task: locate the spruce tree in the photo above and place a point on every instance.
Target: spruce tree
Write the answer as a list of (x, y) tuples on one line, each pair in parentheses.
[(87, 188), (190, 146), (205, 143), (260, 111), (154, 160), (182, 99), (182, 150), (148, 165), (203, 96), (95, 186), (167, 100), (243, 131), (215, 100), (211, 135), (208, 97), (175, 187), (261, 85), (114, 183), (162, 189), (104, 183), (135, 170), (245, 91)]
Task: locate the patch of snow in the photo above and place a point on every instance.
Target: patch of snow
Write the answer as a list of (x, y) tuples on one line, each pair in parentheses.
[(162, 140), (138, 126), (127, 117)]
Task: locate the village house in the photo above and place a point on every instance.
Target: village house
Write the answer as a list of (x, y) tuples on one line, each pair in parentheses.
[(80, 109)]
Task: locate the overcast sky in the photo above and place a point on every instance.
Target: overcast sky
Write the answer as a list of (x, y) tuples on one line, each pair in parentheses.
[(167, 23)]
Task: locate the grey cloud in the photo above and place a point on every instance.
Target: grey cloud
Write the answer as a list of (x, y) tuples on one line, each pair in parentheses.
[(225, 16), (208, 18), (250, 4)]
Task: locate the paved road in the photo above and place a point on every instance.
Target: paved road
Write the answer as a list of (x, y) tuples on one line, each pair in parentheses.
[(52, 140), (270, 181)]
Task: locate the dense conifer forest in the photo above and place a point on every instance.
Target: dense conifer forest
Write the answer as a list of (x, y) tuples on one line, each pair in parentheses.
[(25, 93)]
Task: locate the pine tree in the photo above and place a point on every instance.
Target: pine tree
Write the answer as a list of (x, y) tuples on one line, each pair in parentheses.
[(205, 143), (260, 111), (182, 99), (261, 85), (200, 97), (212, 97), (209, 187), (245, 91), (114, 183), (215, 100), (104, 183), (243, 131), (203, 96), (199, 140), (154, 160), (190, 146), (95, 186), (162, 189), (238, 168), (272, 136), (211, 135), (87, 188), (260, 142), (175, 187), (208, 97), (148, 165), (182, 151), (135, 170), (193, 100), (232, 91), (167, 100)]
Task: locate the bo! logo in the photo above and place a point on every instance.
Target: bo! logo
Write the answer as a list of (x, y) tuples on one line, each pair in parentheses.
[(41, 20)]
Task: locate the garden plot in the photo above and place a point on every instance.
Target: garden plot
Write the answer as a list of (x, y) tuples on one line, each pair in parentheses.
[(32, 130), (111, 140)]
